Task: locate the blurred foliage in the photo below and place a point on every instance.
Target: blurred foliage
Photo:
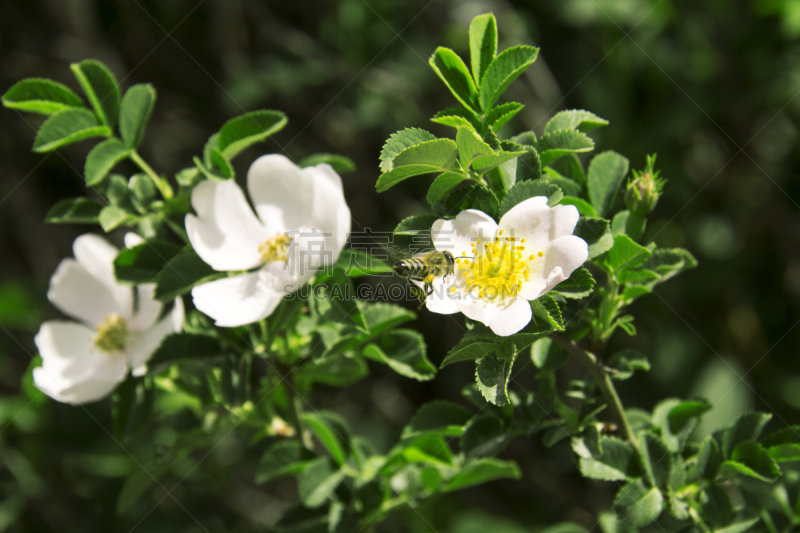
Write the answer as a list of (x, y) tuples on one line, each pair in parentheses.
[(709, 85)]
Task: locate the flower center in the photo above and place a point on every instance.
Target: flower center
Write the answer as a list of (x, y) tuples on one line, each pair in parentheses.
[(275, 249), (112, 334), (497, 268)]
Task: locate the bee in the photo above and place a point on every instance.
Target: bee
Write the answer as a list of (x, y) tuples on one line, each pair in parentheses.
[(425, 267)]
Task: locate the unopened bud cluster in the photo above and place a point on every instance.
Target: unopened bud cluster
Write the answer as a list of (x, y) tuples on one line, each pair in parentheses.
[(641, 195)]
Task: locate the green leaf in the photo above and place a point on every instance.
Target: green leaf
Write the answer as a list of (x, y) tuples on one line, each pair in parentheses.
[(284, 458), (546, 308), (430, 156), (569, 186), (548, 355), (527, 138), (403, 350), (505, 68), (453, 72), (574, 119), (787, 435), (442, 185), (113, 216), (471, 196), (103, 158), (483, 436), (419, 224), (135, 110), (357, 263), (248, 129), (525, 190), (570, 167), (74, 211), (717, 508), (397, 142), (625, 254), (669, 262), (708, 461), (681, 415), (437, 418), (656, 460), (40, 95), (457, 117), (606, 173), (642, 505), (492, 375), (482, 44), (626, 362), (747, 428), (578, 285), (331, 432), (301, 519), (67, 126), (192, 346), (144, 262), (339, 370), (783, 453), (470, 146), (469, 349), (100, 87), (143, 189), (339, 163), (752, 460), (500, 115), (612, 460), (181, 274), (479, 471), (485, 163), (382, 316), (738, 527), (318, 481), (560, 143), (529, 165)]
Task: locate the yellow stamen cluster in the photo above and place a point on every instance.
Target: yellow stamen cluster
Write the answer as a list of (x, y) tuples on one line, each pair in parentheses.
[(275, 249), (497, 268), (112, 334)]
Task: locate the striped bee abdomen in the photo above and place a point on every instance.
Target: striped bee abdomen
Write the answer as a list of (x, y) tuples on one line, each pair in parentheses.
[(412, 268)]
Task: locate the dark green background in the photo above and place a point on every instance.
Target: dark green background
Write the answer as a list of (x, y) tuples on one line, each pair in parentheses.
[(709, 85)]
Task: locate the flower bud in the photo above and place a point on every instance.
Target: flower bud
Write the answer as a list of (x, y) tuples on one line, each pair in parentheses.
[(641, 195)]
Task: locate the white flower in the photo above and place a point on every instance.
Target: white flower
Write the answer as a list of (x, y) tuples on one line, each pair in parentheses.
[(83, 361), (301, 228), (499, 267)]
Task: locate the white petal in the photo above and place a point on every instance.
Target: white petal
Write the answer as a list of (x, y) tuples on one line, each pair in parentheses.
[(148, 308), (239, 300), (331, 215), (441, 300), (562, 257), (287, 197), (142, 344), (178, 314), (310, 253), (81, 295), (282, 193), (457, 236), (97, 255), (73, 369), (534, 221), (225, 233), (132, 240), (533, 287), (504, 320)]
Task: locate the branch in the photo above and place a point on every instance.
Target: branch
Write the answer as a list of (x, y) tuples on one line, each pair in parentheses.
[(589, 360)]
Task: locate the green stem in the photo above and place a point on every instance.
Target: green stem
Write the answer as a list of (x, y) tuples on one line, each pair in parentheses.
[(589, 360), (295, 408), (177, 228), (162, 184)]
